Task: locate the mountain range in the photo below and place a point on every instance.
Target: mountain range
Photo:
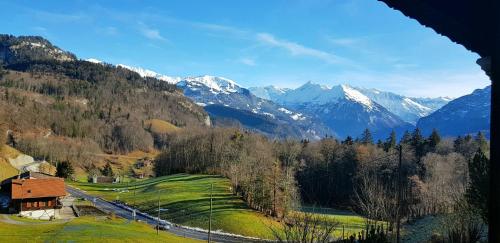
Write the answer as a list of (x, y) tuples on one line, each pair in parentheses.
[(467, 114), (314, 110), (228, 103)]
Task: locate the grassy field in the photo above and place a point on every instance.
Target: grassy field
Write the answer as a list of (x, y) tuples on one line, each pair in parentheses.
[(348, 222), (160, 126), (83, 229), (184, 199)]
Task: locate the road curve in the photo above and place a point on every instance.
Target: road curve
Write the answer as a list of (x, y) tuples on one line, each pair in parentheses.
[(180, 231)]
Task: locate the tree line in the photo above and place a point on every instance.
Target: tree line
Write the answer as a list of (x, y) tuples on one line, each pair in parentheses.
[(274, 176)]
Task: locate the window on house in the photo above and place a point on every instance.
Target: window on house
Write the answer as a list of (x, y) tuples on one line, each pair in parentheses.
[(49, 203), (42, 204), (35, 204), (28, 204)]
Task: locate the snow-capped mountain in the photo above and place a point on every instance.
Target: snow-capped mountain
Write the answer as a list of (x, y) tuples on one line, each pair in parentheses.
[(216, 85), (344, 109), (322, 94), (148, 73), (433, 103), (464, 115), (224, 99), (407, 108), (268, 92), (310, 111)]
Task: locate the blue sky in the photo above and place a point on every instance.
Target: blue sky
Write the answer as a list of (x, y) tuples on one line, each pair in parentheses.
[(281, 42)]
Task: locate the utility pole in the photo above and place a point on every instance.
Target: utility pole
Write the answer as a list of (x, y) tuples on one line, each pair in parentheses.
[(398, 212), (158, 220), (210, 215), (22, 195)]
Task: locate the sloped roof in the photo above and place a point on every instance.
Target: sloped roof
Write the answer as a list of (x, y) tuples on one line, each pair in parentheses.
[(467, 22), (37, 188)]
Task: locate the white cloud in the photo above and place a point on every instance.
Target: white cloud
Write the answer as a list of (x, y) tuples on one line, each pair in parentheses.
[(150, 33), (247, 61), (296, 49), (346, 42)]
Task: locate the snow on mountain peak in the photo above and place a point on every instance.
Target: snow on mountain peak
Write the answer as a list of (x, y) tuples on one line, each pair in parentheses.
[(216, 84), (93, 60), (152, 74), (357, 96)]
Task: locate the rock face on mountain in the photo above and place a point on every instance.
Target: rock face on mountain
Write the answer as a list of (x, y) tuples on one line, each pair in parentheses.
[(28, 49), (464, 115)]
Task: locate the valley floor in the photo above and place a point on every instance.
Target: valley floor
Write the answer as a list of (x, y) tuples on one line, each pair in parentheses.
[(185, 200)]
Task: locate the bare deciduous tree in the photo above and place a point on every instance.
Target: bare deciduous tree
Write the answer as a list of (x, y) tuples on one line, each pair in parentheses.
[(305, 228)]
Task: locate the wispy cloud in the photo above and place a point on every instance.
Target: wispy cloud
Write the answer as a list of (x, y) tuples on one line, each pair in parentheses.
[(59, 17), (150, 33), (296, 49), (247, 61), (345, 42)]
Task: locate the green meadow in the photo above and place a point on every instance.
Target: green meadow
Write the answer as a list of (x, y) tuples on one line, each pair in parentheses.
[(83, 229), (185, 199)]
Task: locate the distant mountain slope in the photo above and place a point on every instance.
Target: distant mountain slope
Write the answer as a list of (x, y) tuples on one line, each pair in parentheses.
[(209, 90), (227, 116), (467, 114), (407, 108), (147, 73), (268, 92), (30, 48), (346, 111)]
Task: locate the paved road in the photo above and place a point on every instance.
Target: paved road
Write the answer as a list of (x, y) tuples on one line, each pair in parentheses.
[(125, 213)]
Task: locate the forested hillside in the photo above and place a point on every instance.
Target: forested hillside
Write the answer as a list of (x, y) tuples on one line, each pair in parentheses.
[(60, 108)]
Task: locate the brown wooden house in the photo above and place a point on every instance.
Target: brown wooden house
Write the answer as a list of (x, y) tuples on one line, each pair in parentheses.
[(37, 198)]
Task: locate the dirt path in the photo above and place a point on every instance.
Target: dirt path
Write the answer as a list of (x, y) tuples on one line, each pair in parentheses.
[(6, 219)]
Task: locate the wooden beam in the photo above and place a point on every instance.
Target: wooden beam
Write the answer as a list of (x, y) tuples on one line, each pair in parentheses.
[(494, 195)]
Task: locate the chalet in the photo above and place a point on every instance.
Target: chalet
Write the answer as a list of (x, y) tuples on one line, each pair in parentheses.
[(37, 198), (104, 179)]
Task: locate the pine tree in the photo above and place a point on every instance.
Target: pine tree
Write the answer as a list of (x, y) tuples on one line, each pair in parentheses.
[(481, 141), (417, 141), (348, 140), (434, 139), (107, 170), (478, 188), (64, 169), (406, 139), (390, 142), (366, 137)]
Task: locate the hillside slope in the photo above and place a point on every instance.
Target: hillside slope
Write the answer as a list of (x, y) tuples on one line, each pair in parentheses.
[(60, 108)]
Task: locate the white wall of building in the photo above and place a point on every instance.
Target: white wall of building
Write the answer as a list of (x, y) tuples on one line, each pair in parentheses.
[(41, 214)]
